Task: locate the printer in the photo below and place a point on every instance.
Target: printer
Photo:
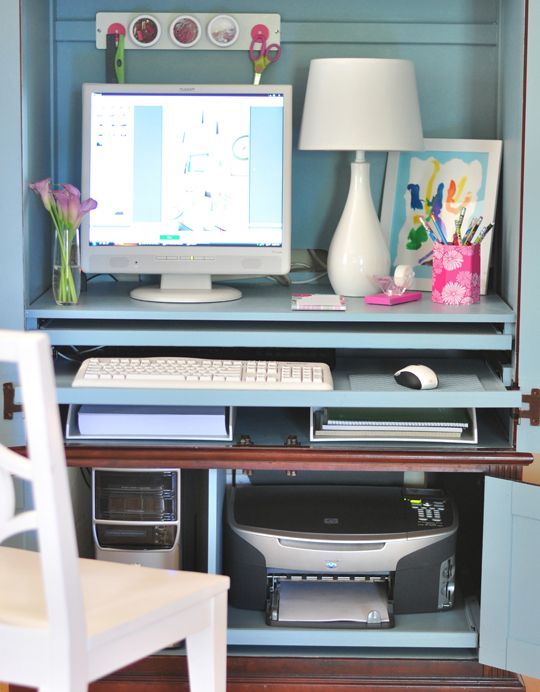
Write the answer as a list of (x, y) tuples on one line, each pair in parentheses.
[(352, 556)]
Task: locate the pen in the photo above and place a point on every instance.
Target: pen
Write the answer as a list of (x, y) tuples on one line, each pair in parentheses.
[(459, 223), (483, 233), (439, 231), (465, 236), (472, 230), (475, 236), (478, 222), (428, 229)]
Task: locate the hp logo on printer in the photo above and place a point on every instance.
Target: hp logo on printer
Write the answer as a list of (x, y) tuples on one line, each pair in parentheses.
[(331, 564)]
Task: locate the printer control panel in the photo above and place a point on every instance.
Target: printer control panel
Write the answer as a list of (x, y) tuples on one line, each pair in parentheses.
[(429, 509)]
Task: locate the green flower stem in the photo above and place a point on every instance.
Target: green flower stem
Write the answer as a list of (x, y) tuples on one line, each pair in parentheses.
[(67, 292)]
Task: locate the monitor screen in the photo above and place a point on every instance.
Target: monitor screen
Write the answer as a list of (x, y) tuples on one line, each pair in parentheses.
[(191, 181)]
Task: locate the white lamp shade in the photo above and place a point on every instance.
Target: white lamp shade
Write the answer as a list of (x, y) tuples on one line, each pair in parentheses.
[(361, 104)]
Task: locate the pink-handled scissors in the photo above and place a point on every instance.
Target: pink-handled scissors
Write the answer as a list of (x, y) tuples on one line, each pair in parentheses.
[(261, 54)]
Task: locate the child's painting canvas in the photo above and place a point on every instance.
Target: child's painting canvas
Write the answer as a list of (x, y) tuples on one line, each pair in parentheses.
[(437, 182)]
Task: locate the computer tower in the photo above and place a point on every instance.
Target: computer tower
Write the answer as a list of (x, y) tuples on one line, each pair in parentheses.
[(136, 516)]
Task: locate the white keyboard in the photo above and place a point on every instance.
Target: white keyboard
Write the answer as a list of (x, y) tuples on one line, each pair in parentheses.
[(201, 373)]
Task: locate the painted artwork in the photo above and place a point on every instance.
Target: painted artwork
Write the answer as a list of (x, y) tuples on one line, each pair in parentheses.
[(437, 183)]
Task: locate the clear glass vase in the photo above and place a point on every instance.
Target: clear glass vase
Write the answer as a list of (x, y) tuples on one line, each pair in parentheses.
[(66, 269)]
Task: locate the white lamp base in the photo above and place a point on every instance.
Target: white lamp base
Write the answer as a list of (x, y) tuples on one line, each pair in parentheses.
[(358, 249)]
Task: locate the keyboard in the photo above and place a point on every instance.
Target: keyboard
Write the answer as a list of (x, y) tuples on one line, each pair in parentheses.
[(202, 373)]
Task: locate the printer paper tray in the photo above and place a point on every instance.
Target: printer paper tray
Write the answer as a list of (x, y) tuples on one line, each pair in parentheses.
[(317, 603), (453, 629)]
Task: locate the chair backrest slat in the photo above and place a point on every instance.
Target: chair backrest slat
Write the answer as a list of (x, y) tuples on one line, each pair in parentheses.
[(20, 523), (53, 515), (12, 464)]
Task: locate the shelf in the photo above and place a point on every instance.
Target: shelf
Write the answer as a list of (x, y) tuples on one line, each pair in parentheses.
[(107, 316), (295, 422), (279, 441), (451, 629), (276, 429), (240, 334), (488, 390), (111, 300)]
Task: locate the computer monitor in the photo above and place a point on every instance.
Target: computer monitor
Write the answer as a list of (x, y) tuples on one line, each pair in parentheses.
[(191, 181)]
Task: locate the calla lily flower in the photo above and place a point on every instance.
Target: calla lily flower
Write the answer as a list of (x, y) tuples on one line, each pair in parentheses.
[(74, 204), (88, 205), (71, 189), (61, 199), (43, 189), (63, 203)]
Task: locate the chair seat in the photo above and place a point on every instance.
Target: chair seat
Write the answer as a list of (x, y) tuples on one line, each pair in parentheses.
[(114, 594)]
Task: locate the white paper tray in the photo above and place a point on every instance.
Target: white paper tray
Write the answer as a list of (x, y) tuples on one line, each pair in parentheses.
[(141, 432), (470, 436)]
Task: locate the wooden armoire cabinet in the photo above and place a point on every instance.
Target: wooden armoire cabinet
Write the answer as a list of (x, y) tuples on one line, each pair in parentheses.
[(477, 67)]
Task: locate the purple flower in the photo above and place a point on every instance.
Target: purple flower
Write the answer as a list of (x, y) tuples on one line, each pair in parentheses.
[(43, 189), (63, 203), (71, 189), (61, 200), (73, 204), (88, 205)]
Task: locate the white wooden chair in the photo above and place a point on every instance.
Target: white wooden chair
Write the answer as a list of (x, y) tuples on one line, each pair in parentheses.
[(66, 621)]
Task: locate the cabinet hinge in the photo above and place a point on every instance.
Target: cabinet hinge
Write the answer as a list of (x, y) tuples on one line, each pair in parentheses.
[(292, 441), (533, 411), (10, 407)]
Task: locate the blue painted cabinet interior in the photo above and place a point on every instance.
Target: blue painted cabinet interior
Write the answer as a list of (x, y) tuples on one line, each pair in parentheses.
[(455, 48), (469, 63), (510, 610)]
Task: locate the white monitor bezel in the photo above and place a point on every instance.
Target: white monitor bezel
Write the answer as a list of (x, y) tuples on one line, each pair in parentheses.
[(213, 260)]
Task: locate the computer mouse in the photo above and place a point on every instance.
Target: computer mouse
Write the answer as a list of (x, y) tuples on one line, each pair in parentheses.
[(417, 377)]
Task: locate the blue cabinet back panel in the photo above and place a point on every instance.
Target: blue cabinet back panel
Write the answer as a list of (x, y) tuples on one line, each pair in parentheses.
[(420, 11), (454, 47)]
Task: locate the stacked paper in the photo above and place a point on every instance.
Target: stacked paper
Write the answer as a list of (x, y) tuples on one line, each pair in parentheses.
[(161, 422)]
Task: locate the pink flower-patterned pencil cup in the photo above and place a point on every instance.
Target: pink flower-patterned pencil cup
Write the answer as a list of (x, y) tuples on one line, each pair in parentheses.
[(456, 274)]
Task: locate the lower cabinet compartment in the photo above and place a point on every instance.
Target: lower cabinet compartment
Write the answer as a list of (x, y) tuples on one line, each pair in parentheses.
[(437, 628), (420, 651)]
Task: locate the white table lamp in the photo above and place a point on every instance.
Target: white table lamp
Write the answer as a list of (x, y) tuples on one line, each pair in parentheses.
[(360, 104)]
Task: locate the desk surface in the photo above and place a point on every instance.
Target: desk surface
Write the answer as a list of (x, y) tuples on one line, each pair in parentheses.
[(268, 303)]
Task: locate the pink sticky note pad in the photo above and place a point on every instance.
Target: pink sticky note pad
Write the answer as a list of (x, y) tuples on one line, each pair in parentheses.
[(383, 299)]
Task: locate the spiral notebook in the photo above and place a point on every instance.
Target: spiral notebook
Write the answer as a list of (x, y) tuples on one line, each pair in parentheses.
[(420, 424), (390, 417)]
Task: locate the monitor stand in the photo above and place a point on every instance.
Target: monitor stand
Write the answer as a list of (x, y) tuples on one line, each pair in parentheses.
[(181, 288)]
